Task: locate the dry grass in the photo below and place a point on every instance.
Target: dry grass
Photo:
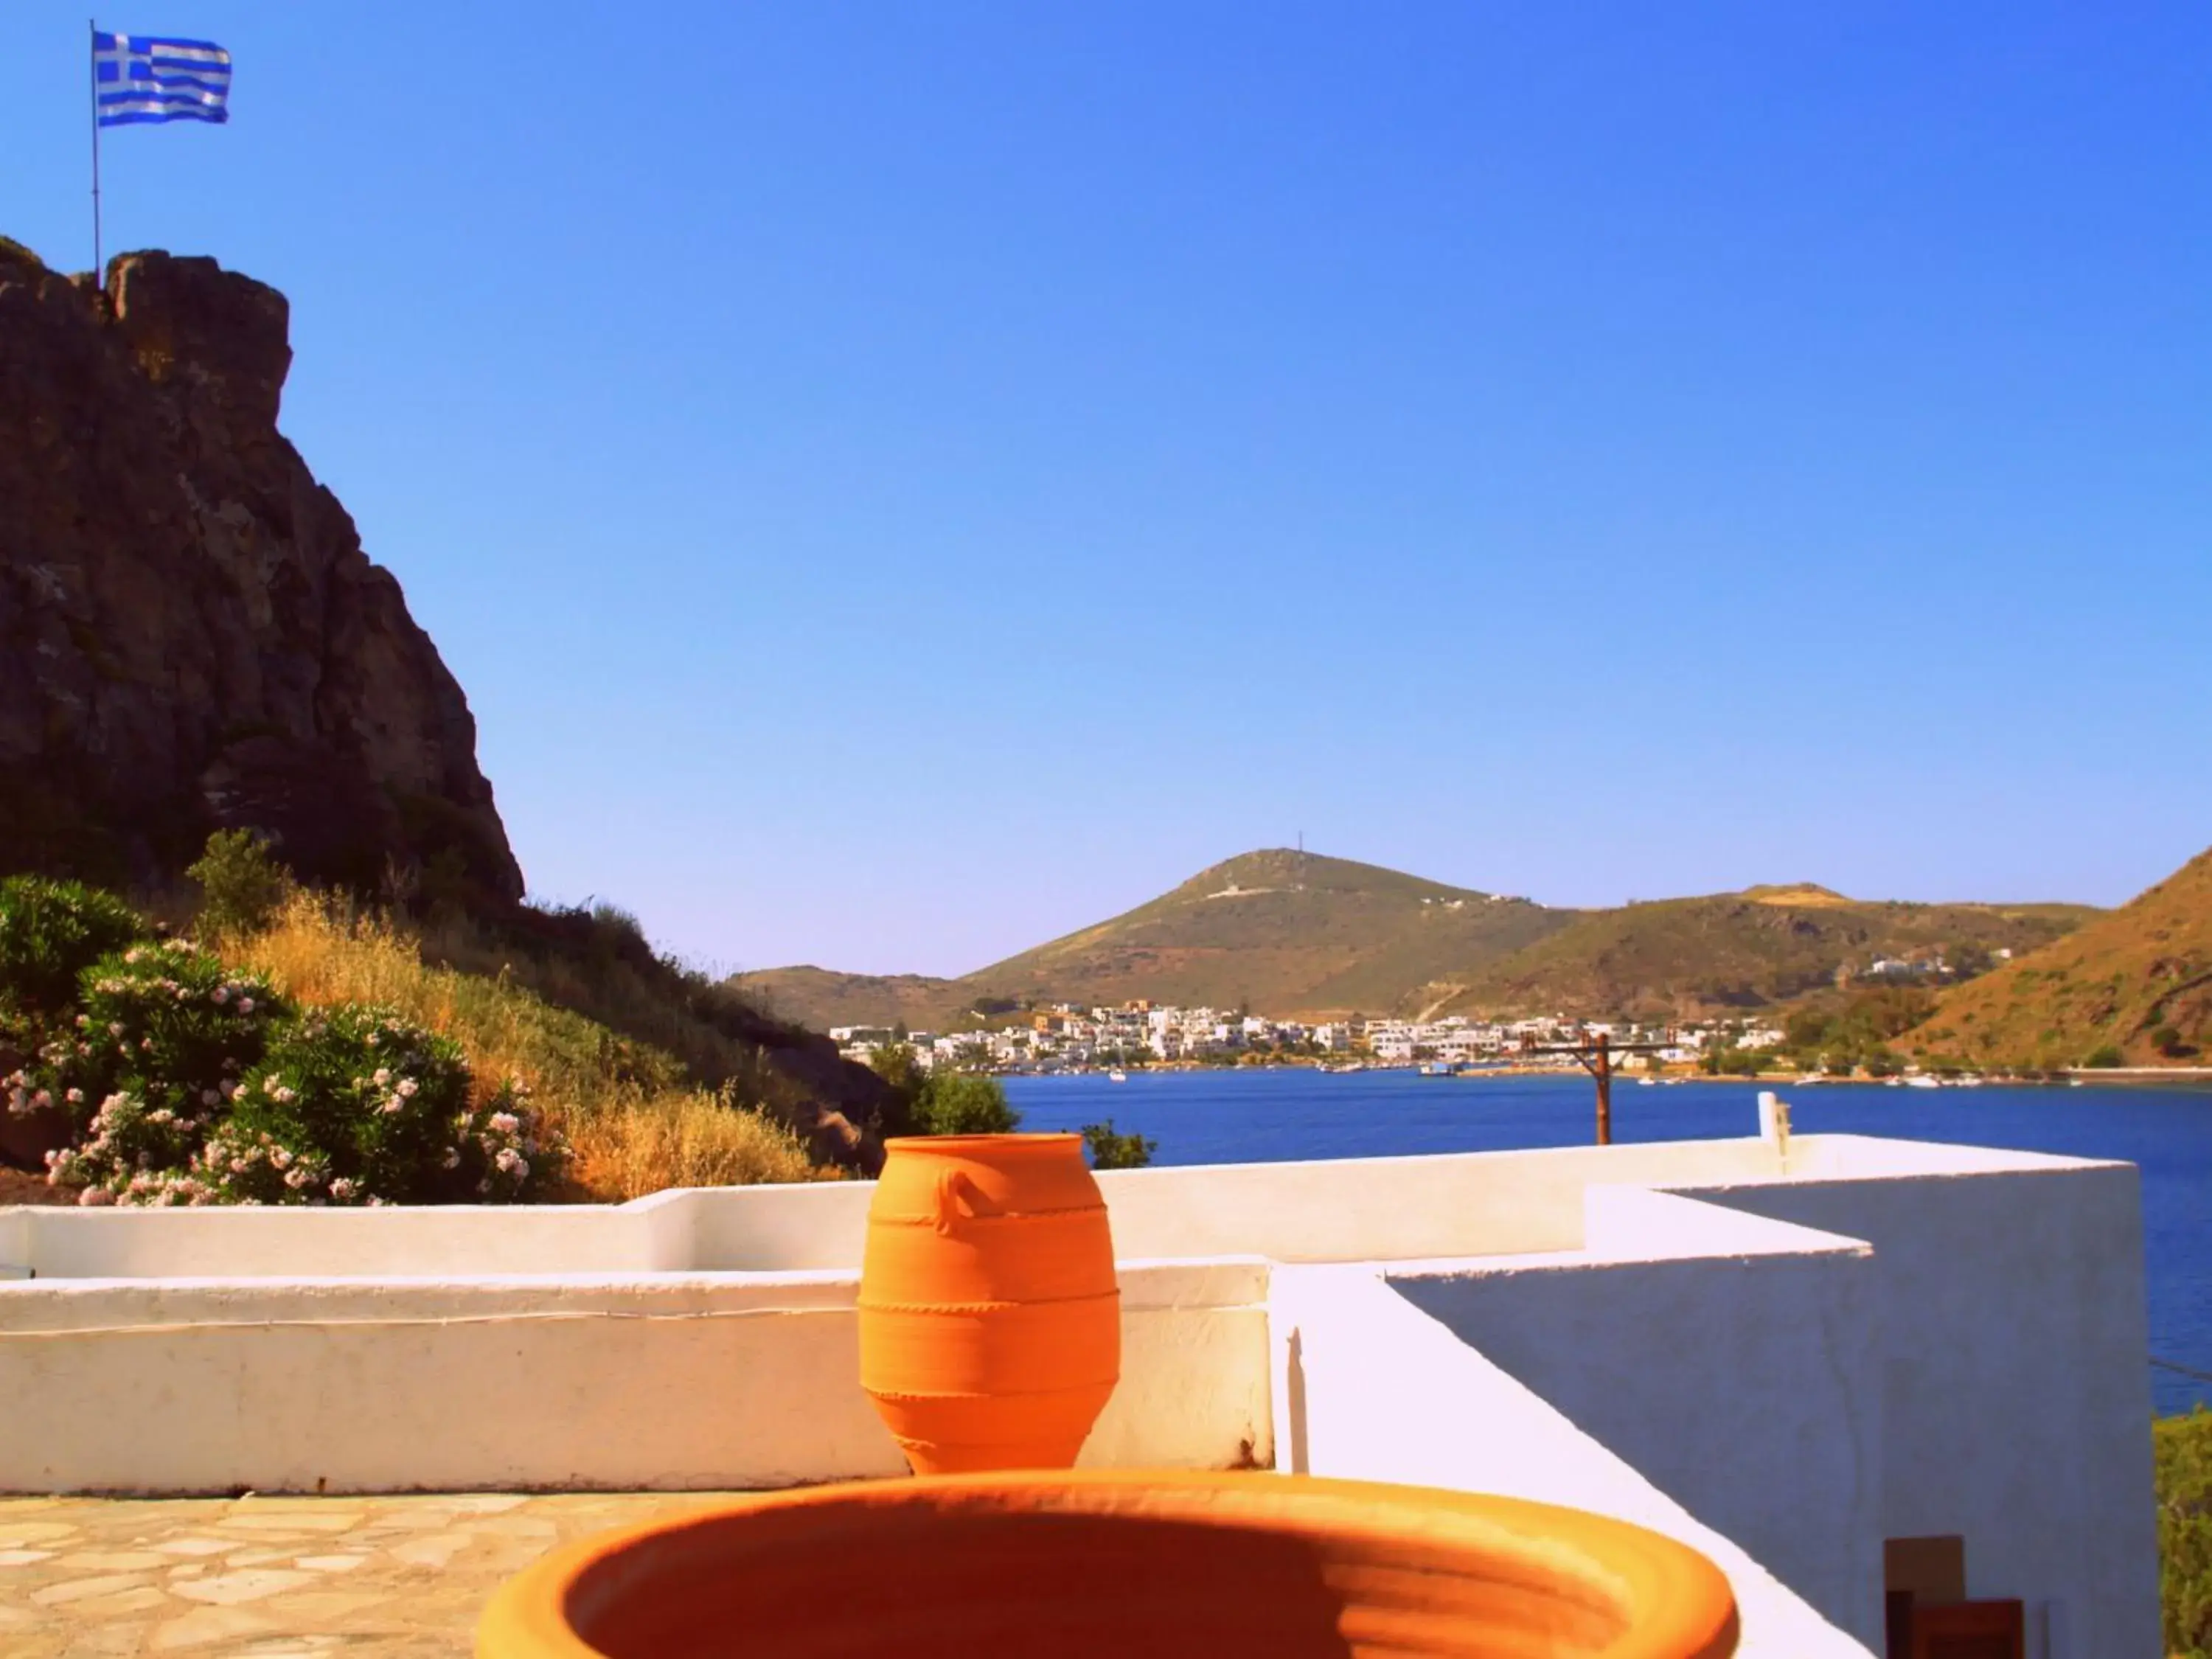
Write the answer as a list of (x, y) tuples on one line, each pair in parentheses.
[(689, 1140), (636, 1123)]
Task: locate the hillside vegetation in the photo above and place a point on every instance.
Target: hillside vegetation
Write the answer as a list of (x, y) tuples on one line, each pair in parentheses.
[(1300, 935), (1690, 957), (2132, 987), (635, 1121)]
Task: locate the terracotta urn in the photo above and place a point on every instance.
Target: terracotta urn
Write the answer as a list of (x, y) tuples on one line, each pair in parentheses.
[(1104, 1565), (990, 1320)]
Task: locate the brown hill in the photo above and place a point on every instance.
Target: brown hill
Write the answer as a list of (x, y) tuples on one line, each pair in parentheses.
[(1690, 956), (2136, 982), (1283, 932), (190, 636), (1293, 935)]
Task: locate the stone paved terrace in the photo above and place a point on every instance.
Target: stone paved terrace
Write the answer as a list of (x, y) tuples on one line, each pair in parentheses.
[(392, 1578)]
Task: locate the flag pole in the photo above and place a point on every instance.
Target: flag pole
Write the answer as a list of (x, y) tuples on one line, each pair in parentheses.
[(99, 277)]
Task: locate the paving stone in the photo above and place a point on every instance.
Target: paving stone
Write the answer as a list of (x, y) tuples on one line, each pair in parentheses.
[(435, 1551), (328, 1604), (144, 1599), (250, 1584), (77, 1590), (204, 1624), (199, 1545), (107, 1639), (115, 1560), (400, 1577), (15, 1534), (488, 1502), (291, 1523)]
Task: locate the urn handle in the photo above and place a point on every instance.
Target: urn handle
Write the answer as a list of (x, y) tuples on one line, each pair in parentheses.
[(953, 1186)]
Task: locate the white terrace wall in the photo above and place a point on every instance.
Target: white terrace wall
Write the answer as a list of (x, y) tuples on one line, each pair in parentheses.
[(1371, 1387), (1339, 1209), (1730, 1363), (670, 1381), (2016, 1397)]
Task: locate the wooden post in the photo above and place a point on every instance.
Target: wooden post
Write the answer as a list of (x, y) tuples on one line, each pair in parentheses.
[(1603, 1072)]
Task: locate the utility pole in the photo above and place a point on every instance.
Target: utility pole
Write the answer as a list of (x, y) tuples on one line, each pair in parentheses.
[(1596, 1057)]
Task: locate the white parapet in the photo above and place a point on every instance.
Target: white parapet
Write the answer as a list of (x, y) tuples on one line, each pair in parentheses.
[(1786, 1357)]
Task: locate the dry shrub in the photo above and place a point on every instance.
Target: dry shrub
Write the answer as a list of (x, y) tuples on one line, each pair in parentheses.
[(693, 1139), (635, 1122)]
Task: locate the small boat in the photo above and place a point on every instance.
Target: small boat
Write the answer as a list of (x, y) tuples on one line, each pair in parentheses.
[(1118, 1076), (1922, 1082), (1436, 1068), (1647, 1082)]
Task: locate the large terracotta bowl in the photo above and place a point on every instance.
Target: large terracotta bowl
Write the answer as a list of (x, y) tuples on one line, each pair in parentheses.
[(1118, 1565)]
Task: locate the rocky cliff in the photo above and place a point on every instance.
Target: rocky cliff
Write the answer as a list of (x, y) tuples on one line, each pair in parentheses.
[(190, 635)]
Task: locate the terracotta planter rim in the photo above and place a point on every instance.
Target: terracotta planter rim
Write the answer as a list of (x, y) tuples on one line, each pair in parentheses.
[(1681, 1604), (1043, 1140)]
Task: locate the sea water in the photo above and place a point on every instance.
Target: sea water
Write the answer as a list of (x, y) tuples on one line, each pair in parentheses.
[(1255, 1115)]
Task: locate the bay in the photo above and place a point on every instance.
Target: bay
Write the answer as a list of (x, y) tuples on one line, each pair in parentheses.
[(1264, 1115)]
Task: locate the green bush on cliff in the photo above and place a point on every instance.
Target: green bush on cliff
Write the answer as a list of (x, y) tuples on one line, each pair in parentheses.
[(241, 886), (165, 1021), (370, 1107), (184, 1080), (52, 931)]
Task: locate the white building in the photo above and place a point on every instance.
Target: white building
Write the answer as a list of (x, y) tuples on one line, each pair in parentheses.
[(1826, 1363)]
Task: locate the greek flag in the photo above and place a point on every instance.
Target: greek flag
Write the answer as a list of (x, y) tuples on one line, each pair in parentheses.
[(150, 77)]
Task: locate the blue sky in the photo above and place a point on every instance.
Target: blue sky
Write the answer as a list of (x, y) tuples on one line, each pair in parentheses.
[(899, 482)]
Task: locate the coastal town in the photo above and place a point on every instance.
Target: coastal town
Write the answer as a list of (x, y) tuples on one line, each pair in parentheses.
[(1066, 1037)]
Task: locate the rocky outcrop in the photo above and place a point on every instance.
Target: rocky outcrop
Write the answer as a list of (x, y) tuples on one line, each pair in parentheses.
[(190, 636)]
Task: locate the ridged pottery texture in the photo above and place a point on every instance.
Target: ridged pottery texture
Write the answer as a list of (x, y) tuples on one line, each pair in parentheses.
[(990, 1320), (1109, 1565)]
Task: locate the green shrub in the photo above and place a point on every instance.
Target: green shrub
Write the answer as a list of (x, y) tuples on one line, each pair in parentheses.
[(2183, 1446), (49, 932), (171, 1021), (165, 1026), (1110, 1151), (963, 1103), (2103, 1058), (357, 1105), (130, 1153), (240, 885)]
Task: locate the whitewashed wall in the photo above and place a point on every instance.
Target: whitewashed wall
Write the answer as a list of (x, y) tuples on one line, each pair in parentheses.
[(1371, 1387), (1733, 1365), (2016, 1397), (673, 1382)]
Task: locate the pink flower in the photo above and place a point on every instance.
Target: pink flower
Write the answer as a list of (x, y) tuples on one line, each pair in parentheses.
[(93, 1197)]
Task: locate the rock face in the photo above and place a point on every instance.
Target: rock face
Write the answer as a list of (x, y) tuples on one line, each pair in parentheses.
[(190, 636)]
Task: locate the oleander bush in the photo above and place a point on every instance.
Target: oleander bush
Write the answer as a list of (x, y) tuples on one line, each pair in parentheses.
[(635, 1119), (167, 1021), (49, 932), (316, 1059)]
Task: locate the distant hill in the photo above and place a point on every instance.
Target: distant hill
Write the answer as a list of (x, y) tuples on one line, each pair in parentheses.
[(1281, 932), (1690, 957), (2137, 980), (1298, 935)]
